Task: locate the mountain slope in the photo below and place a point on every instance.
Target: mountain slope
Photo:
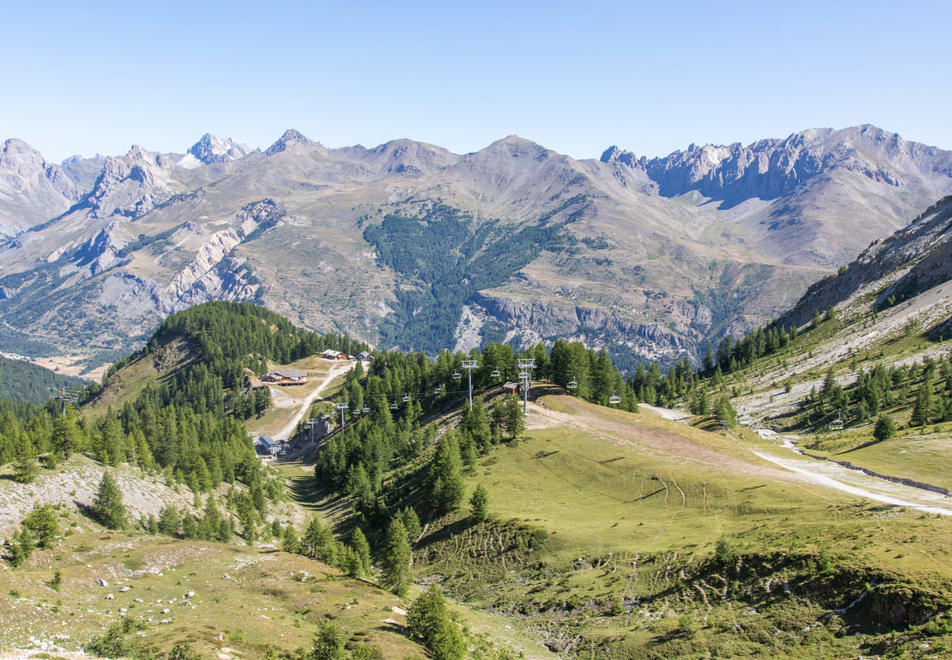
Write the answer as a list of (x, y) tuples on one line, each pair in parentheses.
[(26, 382), (652, 258), (31, 189), (897, 268)]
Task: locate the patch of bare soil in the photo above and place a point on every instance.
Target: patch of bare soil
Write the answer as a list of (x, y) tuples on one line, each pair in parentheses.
[(580, 416)]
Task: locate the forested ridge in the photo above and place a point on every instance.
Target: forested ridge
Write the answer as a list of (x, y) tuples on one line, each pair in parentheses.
[(24, 381), (187, 424)]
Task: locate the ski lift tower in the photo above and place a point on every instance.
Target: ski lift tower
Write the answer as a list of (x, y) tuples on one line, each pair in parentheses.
[(342, 407), (469, 365), (65, 397), (525, 374)]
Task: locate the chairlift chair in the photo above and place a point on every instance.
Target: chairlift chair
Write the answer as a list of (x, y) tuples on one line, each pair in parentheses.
[(394, 406), (406, 397), (614, 399), (457, 375), (439, 390), (572, 384), (495, 373), (365, 409)]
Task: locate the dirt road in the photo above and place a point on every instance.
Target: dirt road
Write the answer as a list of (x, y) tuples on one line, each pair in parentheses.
[(826, 473), (580, 416), (304, 405)]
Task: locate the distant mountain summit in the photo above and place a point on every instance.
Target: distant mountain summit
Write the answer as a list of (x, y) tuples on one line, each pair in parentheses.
[(32, 190), (288, 139), (409, 245), (807, 179), (210, 149)]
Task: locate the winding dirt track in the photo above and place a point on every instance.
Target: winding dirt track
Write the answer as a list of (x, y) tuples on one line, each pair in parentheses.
[(583, 416), (305, 404)]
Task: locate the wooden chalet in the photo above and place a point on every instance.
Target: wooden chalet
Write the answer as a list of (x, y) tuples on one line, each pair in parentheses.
[(285, 377), (331, 354), (512, 388)]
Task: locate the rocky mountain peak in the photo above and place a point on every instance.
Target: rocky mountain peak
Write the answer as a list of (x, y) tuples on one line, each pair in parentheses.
[(771, 168), (409, 158), (31, 189), (210, 149), (514, 146), (289, 138), (130, 185)]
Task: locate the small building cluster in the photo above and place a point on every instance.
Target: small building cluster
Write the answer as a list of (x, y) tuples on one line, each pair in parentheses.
[(331, 354), (265, 445), (285, 377)]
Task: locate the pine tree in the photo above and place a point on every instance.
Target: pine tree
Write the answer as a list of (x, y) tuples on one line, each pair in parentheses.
[(923, 408), (108, 508), (169, 520), (446, 478), (725, 411), (513, 420), (479, 503), (430, 624), (328, 643), (411, 521), (42, 524), (25, 470), (358, 543), (395, 559), (885, 428)]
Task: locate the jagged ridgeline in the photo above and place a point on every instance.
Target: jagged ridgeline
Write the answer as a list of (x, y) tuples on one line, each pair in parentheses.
[(449, 257)]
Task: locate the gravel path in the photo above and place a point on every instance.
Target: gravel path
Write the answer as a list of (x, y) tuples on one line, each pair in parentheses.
[(826, 473), (305, 404)]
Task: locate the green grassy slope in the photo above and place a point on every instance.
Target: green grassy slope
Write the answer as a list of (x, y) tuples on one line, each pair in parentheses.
[(619, 535)]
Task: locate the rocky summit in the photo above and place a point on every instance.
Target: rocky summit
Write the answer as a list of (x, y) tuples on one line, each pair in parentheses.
[(408, 245)]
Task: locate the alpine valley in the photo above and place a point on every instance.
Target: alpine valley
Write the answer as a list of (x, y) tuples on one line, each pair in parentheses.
[(409, 246)]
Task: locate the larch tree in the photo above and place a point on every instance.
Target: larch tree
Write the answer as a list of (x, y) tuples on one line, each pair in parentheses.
[(108, 508)]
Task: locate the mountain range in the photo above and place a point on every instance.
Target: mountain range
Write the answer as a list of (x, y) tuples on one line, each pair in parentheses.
[(409, 245)]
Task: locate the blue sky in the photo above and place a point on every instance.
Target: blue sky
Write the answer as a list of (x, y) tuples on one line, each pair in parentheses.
[(574, 76)]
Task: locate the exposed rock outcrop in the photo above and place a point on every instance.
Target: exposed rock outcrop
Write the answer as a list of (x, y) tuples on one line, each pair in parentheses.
[(210, 149), (31, 189), (907, 263), (130, 185)]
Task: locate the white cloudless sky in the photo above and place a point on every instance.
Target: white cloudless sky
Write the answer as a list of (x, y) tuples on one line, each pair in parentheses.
[(576, 77)]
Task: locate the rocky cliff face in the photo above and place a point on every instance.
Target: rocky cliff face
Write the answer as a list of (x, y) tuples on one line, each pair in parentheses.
[(131, 186), (31, 190), (911, 261), (808, 196)]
